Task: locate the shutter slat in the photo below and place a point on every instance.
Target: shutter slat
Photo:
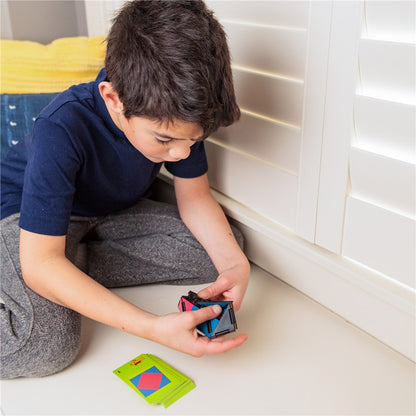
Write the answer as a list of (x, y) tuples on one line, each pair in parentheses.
[(281, 52), (269, 141), (386, 182), (380, 239), (269, 96), (390, 20), (385, 127), (264, 189), (387, 70), (276, 13)]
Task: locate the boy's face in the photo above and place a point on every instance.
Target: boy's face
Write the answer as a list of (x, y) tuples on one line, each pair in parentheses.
[(160, 142)]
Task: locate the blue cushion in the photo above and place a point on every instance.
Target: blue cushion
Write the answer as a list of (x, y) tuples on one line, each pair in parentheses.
[(18, 112)]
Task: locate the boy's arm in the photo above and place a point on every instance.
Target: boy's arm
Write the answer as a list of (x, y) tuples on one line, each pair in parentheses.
[(204, 217), (49, 273)]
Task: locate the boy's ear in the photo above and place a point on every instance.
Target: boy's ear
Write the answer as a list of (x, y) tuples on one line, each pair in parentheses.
[(110, 97)]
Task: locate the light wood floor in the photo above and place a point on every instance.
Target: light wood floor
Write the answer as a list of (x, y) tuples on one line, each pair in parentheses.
[(299, 359)]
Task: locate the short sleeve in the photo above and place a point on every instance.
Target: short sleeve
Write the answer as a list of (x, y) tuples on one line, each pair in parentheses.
[(193, 166), (49, 183)]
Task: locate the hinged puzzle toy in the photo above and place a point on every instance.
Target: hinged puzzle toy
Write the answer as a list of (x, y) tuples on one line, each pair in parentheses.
[(216, 327)]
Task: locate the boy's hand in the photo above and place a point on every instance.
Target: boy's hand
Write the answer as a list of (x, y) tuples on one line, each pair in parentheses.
[(178, 331), (231, 285)]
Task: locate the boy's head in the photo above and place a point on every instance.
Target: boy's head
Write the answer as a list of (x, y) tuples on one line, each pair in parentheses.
[(169, 60)]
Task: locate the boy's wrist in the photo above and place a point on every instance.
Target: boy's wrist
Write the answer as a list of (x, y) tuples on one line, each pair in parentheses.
[(241, 263), (139, 323), (150, 327)]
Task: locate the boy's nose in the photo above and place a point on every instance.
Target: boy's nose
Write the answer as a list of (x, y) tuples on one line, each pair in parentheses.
[(180, 152)]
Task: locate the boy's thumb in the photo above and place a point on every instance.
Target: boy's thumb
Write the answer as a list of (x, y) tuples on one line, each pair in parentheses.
[(207, 313), (216, 289)]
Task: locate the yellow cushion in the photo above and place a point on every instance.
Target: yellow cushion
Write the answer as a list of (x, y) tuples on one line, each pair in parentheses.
[(30, 67)]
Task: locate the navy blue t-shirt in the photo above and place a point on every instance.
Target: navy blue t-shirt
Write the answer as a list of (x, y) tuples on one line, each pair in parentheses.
[(78, 162)]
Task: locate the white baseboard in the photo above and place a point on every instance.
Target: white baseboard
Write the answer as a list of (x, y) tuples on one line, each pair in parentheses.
[(371, 301)]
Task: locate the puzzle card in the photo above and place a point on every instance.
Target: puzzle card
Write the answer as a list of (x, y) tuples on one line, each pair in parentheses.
[(154, 380)]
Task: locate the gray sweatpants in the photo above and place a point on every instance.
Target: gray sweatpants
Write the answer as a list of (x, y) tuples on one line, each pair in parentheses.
[(147, 243)]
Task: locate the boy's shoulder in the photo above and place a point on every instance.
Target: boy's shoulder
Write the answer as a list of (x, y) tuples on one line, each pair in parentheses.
[(78, 98), (81, 96)]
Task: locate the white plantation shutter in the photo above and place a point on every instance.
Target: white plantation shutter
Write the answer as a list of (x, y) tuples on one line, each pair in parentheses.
[(256, 161), (379, 229), (99, 15)]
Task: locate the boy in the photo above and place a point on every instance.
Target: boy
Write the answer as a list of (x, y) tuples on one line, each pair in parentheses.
[(82, 175)]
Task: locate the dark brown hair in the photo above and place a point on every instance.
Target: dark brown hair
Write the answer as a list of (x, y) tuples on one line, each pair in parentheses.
[(170, 60)]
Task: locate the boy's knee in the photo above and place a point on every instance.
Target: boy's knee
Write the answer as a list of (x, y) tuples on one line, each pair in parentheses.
[(42, 355), (57, 357)]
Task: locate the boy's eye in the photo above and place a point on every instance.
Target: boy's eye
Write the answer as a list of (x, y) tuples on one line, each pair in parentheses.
[(163, 141)]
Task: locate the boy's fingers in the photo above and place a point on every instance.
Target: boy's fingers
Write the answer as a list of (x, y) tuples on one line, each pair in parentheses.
[(216, 289), (205, 314), (224, 346), (218, 345)]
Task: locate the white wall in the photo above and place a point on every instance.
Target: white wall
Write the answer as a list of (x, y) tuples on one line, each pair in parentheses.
[(5, 27), (42, 20), (319, 172)]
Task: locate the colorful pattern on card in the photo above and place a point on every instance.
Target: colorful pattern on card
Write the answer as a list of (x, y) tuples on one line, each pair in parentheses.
[(154, 380)]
